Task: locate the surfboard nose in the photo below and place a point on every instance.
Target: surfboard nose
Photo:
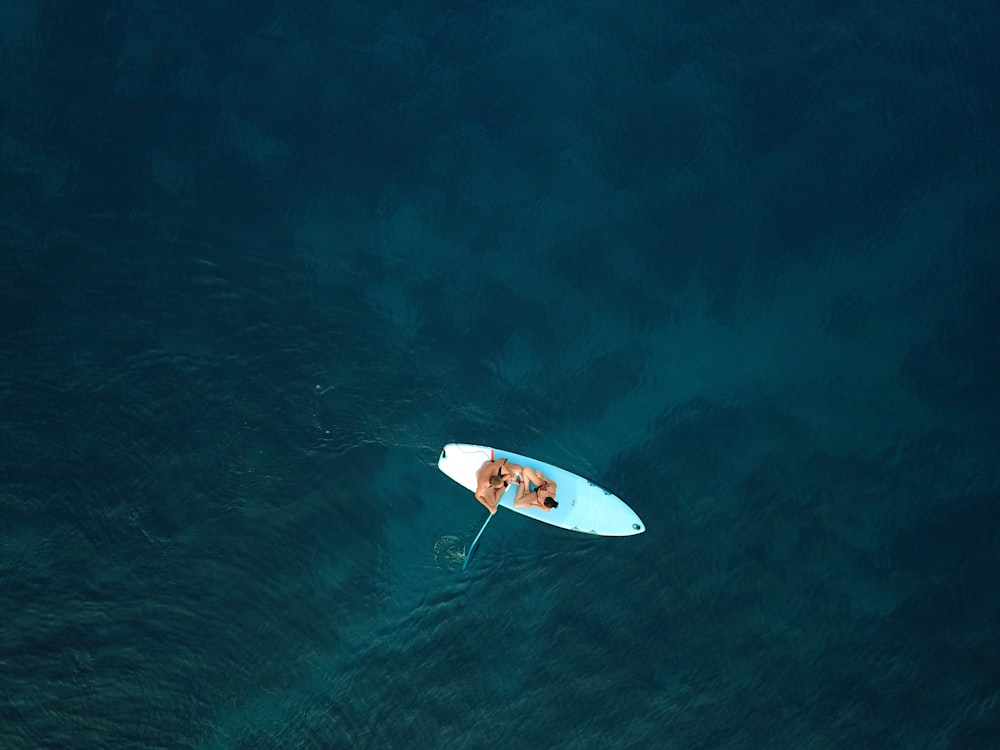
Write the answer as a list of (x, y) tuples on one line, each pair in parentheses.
[(637, 526), (627, 523), (609, 515)]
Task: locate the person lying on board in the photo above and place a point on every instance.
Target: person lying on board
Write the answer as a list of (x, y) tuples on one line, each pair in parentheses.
[(542, 497), (492, 479)]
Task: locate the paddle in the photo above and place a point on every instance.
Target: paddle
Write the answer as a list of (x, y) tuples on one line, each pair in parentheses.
[(475, 542)]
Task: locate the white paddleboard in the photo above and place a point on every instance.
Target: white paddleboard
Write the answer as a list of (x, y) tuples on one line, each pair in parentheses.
[(583, 506)]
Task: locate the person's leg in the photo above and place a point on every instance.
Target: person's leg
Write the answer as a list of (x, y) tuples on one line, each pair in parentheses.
[(531, 477), (524, 497)]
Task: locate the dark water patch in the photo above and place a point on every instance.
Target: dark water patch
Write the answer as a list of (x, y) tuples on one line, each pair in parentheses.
[(652, 136), (790, 602), (705, 439), (217, 598), (846, 318), (982, 223), (606, 378), (958, 539), (773, 100), (166, 465), (958, 366), (870, 133)]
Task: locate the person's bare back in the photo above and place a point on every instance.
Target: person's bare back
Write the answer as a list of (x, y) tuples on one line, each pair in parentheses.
[(492, 479)]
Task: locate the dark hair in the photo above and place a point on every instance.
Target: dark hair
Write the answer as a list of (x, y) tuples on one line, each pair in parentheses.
[(495, 481), (550, 502)]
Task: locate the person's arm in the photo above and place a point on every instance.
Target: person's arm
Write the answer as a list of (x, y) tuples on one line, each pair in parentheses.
[(492, 508), (546, 488), (521, 499), (552, 485), (527, 499), (483, 492), (530, 475)]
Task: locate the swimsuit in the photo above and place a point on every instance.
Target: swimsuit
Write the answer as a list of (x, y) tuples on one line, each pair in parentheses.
[(500, 471)]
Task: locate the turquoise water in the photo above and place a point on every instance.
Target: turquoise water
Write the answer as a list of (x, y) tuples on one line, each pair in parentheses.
[(737, 263)]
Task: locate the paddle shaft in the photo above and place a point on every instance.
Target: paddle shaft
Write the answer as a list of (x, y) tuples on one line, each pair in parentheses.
[(475, 541), (486, 523)]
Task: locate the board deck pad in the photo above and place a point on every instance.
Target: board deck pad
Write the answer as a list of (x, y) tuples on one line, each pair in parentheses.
[(583, 505)]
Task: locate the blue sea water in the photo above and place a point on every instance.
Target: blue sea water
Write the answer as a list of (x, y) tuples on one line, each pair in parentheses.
[(738, 262)]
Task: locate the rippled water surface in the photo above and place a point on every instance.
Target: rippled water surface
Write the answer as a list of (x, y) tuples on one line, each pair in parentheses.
[(261, 260)]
